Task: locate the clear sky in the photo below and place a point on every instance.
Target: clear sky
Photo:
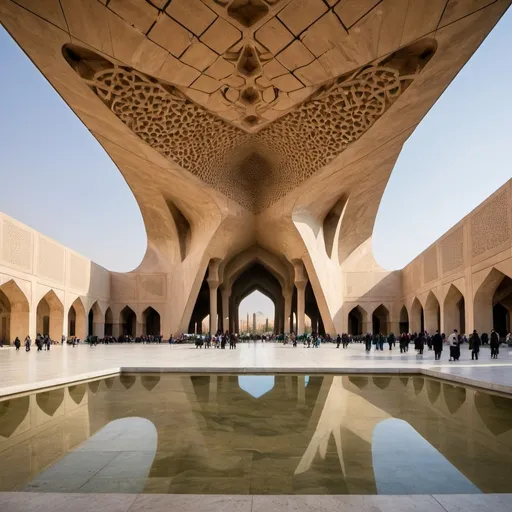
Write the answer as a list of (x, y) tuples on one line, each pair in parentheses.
[(56, 178)]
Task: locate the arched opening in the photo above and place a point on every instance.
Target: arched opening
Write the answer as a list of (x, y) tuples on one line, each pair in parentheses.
[(432, 313), (109, 322), (95, 324), (404, 320), (380, 320), (502, 307), (128, 321), (14, 313), (50, 316), (151, 322), (256, 312), (357, 319), (417, 317), (492, 298), (76, 320), (454, 311)]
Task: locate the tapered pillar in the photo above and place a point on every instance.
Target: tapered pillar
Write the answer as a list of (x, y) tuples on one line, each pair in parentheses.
[(213, 283), (301, 306), (287, 311), (225, 309)]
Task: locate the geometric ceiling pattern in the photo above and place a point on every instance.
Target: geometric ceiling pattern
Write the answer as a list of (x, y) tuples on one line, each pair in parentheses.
[(254, 169)]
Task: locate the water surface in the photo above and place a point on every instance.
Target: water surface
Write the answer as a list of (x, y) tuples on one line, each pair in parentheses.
[(258, 434)]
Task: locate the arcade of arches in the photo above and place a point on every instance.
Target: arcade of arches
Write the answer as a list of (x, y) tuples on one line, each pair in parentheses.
[(492, 308)]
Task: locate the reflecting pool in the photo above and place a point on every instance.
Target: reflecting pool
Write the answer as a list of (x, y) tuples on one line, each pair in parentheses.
[(258, 434)]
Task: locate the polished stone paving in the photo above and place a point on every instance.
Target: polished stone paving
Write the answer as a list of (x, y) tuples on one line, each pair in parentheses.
[(23, 371), (31, 502)]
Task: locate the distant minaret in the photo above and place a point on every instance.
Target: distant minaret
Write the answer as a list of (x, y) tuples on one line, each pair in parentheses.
[(266, 325), (254, 322), (247, 324)]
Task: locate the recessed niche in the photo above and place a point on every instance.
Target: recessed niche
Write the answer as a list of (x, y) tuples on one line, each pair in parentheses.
[(249, 63), (250, 96), (248, 12), (251, 121)]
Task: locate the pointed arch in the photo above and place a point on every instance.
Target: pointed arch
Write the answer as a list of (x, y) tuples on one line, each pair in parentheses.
[(417, 317), (380, 320), (404, 320), (493, 290), (128, 322), (151, 322), (76, 319), (14, 312), (95, 321), (432, 313), (357, 320), (109, 322), (50, 316), (454, 310)]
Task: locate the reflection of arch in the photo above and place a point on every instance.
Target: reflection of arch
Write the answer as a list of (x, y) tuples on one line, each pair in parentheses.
[(360, 382), (50, 401), (128, 321), (149, 381), (76, 319), (417, 319), (404, 320), (151, 322), (418, 383), (109, 322), (485, 300), (357, 320), (454, 310), (127, 380), (433, 390), (454, 397), (432, 313), (77, 392), (382, 382), (380, 320), (50, 316), (12, 414), (95, 321), (495, 411), (14, 312)]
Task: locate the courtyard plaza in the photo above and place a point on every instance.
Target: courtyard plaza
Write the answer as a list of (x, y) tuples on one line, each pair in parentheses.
[(22, 371)]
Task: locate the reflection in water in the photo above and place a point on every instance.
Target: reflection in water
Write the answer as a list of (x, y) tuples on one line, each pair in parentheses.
[(50, 401), (256, 385), (282, 434), (395, 447)]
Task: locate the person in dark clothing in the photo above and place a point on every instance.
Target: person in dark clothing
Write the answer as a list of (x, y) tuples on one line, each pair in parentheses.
[(484, 338), (368, 341), (338, 342), (403, 342), (391, 340), (495, 344), (28, 341), (475, 345), (437, 344), (17, 343), (420, 343)]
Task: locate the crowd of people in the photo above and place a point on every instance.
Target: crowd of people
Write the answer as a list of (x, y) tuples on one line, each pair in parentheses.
[(434, 342)]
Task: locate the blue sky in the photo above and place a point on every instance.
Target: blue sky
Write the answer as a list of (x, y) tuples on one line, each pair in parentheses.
[(55, 177)]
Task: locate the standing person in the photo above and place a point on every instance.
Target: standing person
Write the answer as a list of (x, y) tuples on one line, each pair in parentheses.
[(437, 344), (420, 342), (475, 346), (368, 342), (28, 341), (453, 340), (338, 342), (485, 338), (495, 344), (62, 339), (391, 340), (380, 341), (17, 343)]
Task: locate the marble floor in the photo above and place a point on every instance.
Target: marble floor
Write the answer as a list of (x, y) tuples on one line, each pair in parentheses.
[(23, 371), (30, 502)]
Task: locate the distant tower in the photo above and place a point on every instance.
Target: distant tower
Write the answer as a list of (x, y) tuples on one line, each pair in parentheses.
[(254, 322), (266, 325)]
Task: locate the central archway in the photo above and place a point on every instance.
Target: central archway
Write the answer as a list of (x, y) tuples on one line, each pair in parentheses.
[(256, 312)]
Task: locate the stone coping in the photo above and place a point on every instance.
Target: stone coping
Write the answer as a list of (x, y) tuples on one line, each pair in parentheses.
[(92, 502), (110, 372)]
